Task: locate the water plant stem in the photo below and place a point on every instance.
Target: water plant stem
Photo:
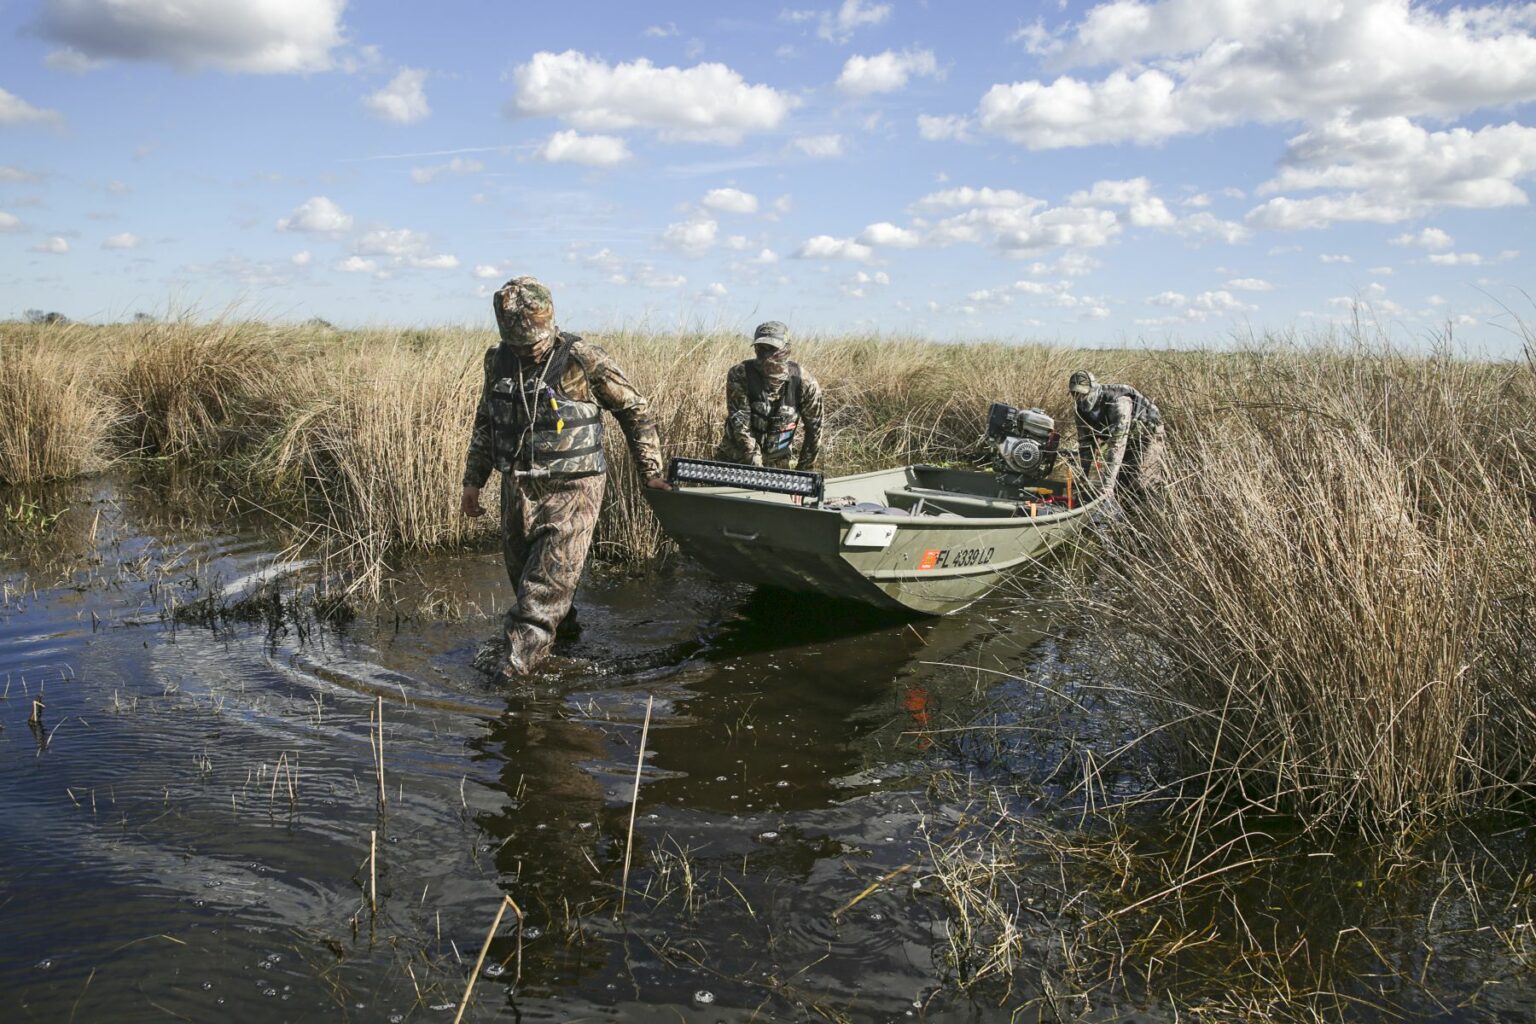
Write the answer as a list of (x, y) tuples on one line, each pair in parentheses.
[(634, 802)]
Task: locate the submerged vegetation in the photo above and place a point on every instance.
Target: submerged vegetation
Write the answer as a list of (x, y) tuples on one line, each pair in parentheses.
[(1318, 639)]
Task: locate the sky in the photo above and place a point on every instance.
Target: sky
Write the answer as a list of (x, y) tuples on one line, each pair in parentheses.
[(1174, 172)]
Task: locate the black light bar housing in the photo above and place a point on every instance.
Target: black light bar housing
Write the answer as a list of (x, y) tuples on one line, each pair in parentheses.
[(801, 482)]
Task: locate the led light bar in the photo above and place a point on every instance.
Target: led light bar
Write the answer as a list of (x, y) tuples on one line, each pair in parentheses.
[(802, 482)]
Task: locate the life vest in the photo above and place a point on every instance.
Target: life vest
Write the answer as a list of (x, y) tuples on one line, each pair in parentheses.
[(1144, 413), (535, 425), (775, 421)]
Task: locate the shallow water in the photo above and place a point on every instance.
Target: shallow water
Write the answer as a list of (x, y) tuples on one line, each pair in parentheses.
[(189, 822)]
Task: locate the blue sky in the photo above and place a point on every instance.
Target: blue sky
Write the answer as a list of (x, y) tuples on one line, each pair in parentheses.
[(1097, 173)]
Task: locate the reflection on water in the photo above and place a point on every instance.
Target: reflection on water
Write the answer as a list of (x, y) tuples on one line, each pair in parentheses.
[(193, 824)]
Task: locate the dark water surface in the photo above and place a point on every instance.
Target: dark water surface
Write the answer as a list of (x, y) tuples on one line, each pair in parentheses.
[(187, 825)]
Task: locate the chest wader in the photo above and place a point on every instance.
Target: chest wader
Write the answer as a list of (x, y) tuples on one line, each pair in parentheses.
[(549, 448), (537, 430), (774, 422)]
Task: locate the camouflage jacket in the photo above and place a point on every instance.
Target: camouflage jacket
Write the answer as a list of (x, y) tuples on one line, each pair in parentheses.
[(1106, 429), (590, 376), (738, 417)]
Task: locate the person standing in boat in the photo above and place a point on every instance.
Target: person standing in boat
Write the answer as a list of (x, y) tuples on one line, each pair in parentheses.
[(540, 422), (1120, 428), (769, 400)]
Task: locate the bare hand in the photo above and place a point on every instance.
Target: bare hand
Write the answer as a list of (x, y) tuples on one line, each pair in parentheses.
[(657, 483), (469, 504)]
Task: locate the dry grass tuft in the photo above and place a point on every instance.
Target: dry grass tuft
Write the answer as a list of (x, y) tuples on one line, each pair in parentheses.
[(53, 422)]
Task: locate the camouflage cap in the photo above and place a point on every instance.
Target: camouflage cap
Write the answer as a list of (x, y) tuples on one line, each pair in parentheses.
[(773, 332), (1081, 382), (525, 311)]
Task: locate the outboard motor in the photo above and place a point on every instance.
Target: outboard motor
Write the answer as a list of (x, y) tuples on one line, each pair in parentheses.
[(1023, 443)]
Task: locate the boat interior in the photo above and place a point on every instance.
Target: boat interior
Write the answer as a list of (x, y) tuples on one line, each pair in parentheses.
[(936, 491)]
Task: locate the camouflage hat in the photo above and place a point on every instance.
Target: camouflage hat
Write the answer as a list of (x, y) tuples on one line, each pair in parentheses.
[(525, 312), (772, 333), (1081, 382)]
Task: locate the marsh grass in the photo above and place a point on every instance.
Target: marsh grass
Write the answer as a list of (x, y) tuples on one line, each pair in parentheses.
[(53, 422), (1328, 613)]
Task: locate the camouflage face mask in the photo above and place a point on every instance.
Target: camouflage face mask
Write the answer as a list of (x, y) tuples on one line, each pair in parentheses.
[(525, 315)]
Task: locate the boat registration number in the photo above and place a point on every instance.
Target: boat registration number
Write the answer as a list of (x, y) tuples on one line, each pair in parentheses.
[(954, 558)]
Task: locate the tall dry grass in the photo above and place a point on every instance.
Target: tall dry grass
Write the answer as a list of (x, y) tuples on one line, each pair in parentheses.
[(1329, 613), (54, 424)]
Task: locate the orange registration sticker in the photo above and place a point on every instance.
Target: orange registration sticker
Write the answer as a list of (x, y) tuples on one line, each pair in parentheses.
[(930, 558)]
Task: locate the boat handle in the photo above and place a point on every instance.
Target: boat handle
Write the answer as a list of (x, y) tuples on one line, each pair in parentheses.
[(726, 531)]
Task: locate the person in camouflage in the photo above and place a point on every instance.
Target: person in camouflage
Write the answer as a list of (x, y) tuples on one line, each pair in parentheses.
[(539, 422), (1121, 428), (767, 401)]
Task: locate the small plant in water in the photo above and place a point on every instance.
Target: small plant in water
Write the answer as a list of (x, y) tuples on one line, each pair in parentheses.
[(29, 516)]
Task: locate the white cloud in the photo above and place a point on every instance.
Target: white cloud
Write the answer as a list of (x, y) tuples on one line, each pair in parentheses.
[(888, 234), (885, 72), (857, 286), (486, 272), (1207, 227), (403, 248), (765, 257), (403, 100), (1068, 264), (661, 31), (302, 258), (649, 277), (261, 36), (1169, 299), (458, 165), (603, 260), (126, 240), (1381, 271), (1333, 257), (704, 103), (1250, 284), (55, 245), (1220, 302), (1456, 259), (821, 147), (592, 150), (825, 247), (317, 216), (838, 26), (356, 265), (1432, 239), (953, 198), (9, 221), (730, 200), (1184, 66), (1394, 170), (15, 110), (716, 290), (950, 127), (692, 237), (1022, 232), (1135, 194)]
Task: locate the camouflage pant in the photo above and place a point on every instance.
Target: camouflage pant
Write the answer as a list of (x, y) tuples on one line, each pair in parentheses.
[(728, 451), (1143, 469), (546, 529)]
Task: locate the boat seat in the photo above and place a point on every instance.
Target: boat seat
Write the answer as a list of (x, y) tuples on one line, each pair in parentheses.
[(948, 501)]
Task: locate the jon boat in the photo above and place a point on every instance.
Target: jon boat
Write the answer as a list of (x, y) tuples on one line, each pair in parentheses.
[(922, 538)]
